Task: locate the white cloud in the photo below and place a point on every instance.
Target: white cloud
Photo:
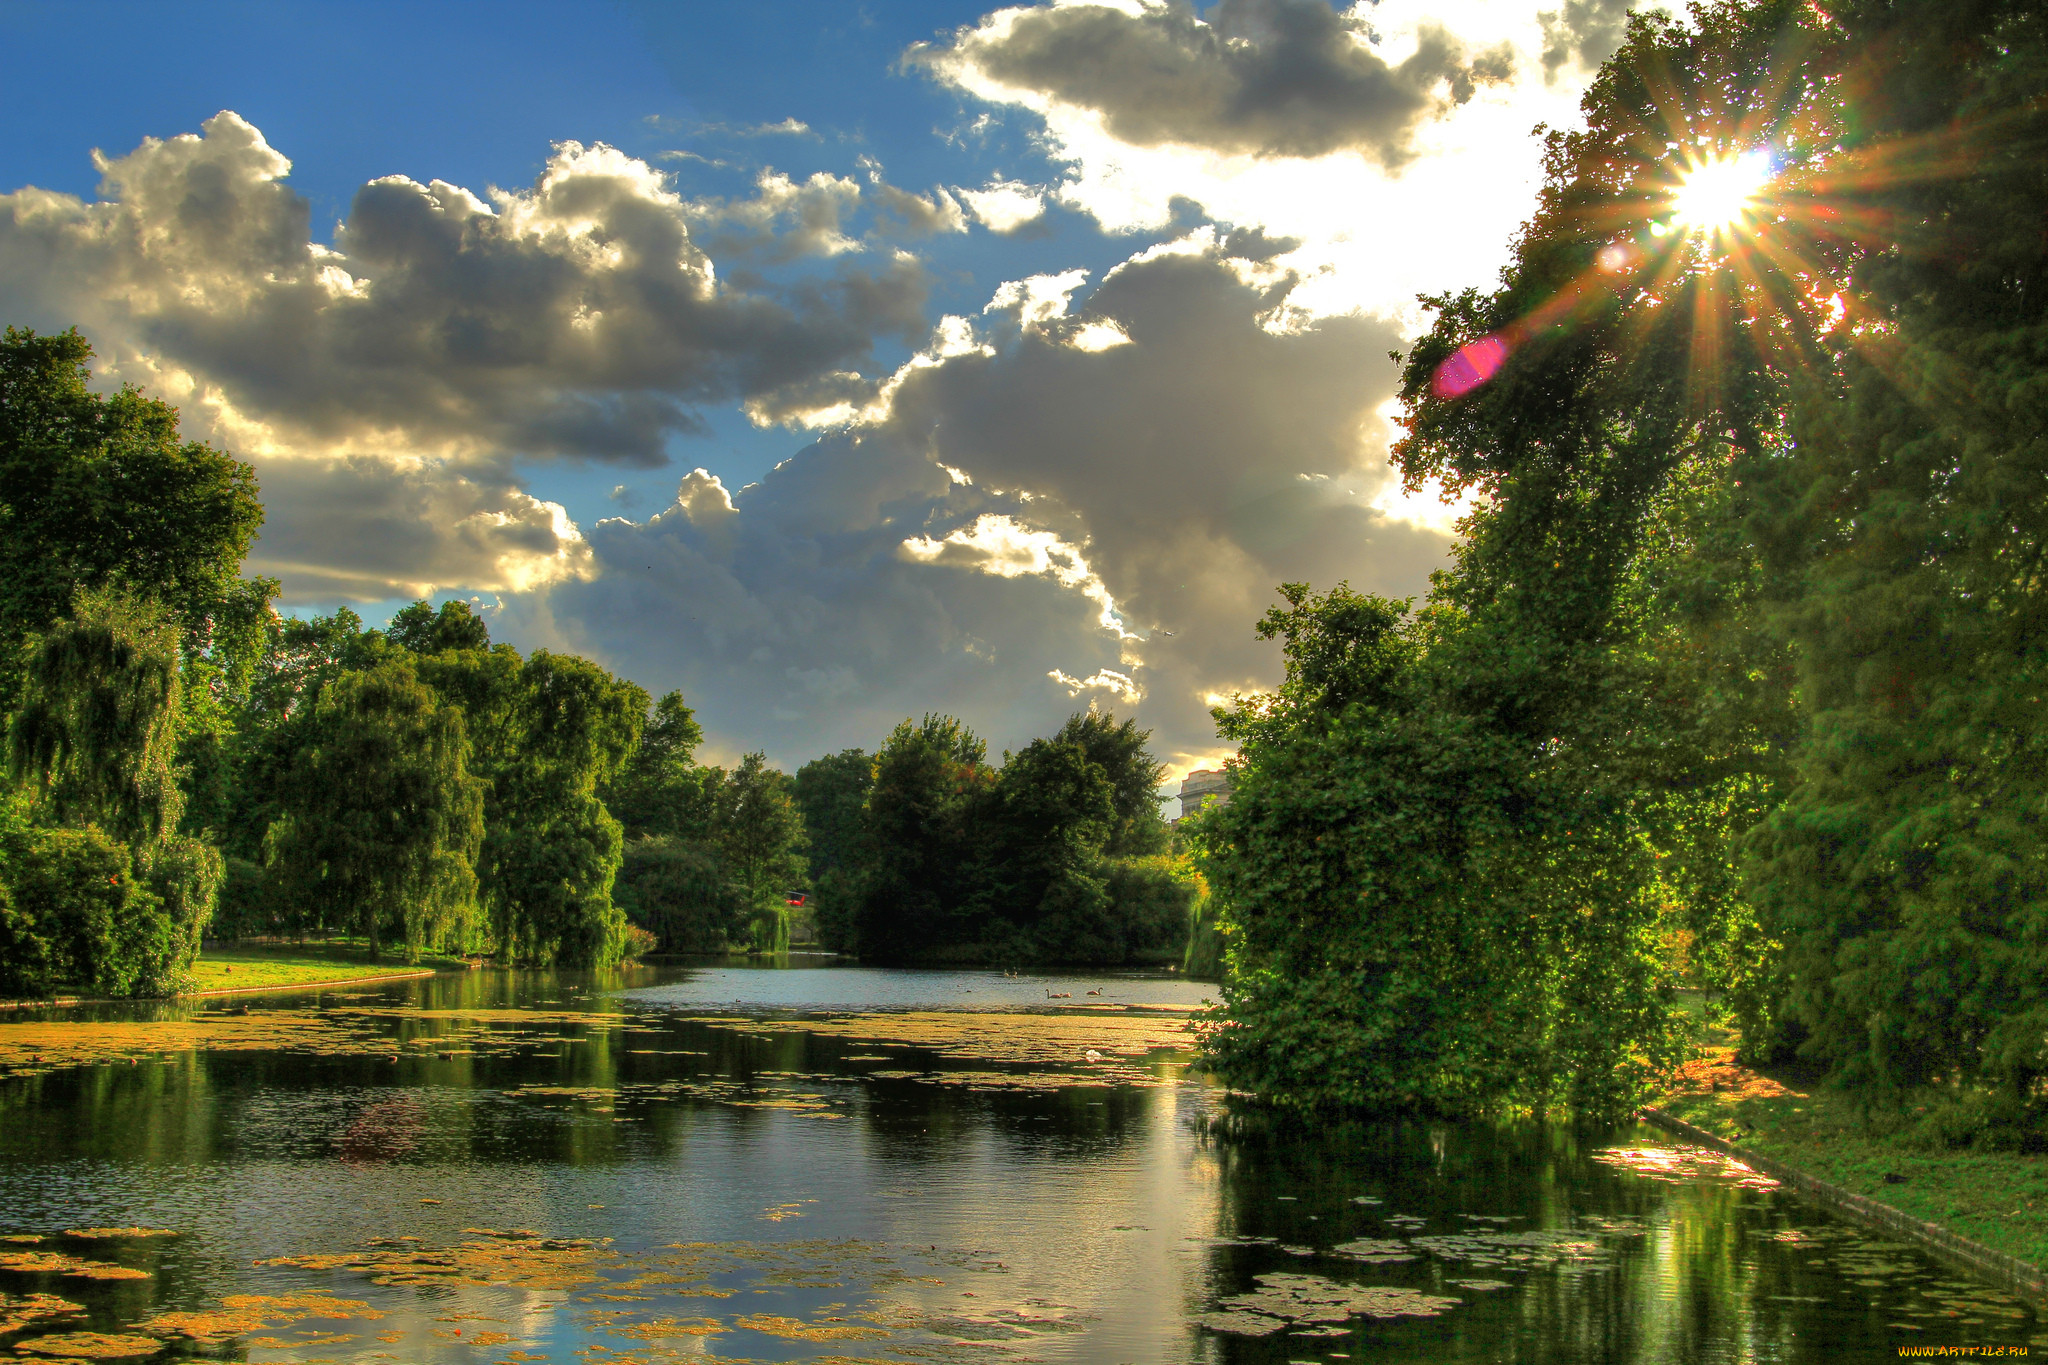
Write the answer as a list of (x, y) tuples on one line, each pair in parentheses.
[(393, 379), (1004, 206), (1230, 119)]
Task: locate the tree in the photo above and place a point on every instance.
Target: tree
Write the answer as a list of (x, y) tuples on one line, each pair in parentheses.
[(382, 822), (99, 490), (1137, 829), (1905, 532), (661, 791), (422, 630), (832, 793), (760, 832), (546, 734), (929, 776), (93, 744)]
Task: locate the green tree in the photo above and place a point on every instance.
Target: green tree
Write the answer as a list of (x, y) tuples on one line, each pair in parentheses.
[(661, 791), (1138, 830), (1905, 534), (382, 822), (98, 491), (423, 630), (546, 733), (928, 781), (832, 794), (93, 743), (760, 832)]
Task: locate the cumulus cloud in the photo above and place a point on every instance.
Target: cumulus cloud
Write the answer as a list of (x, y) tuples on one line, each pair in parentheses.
[(443, 335), (1261, 77), (1005, 206), (1388, 143), (1586, 32), (1014, 521)]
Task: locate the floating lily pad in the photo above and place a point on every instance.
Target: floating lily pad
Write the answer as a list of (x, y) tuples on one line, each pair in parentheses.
[(91, 1346)]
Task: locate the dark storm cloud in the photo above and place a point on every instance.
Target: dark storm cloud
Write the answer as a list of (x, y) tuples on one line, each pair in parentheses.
[(1267, 77)]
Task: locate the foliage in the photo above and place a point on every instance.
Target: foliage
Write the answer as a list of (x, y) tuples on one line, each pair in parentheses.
[(547, 733), (97, 728), (1158, 901), (832, 793), (928, 777), (1422, 912), (99, 491), (1050, 858), (93, 742), (1905, 871), (678, 891), (422, 630), (381, 823), (1137, 829), (73, 913), (661, 791), (760, 833), (1736, 669)]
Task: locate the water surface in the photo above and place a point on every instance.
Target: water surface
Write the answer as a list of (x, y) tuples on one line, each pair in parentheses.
[(727, 1162)]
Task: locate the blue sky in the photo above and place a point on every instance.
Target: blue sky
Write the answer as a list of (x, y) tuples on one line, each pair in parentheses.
[(1022, 352)]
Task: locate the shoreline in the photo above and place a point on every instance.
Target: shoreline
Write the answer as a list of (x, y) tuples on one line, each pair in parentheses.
[(2009, 1273), (66, 1001)]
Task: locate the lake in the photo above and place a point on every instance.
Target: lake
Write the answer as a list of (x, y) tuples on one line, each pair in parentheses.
[(752, 1162)]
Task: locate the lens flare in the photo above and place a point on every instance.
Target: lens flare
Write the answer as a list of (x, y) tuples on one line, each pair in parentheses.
[(1718, 194)]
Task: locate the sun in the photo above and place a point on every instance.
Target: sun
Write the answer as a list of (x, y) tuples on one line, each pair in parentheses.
[(1718, 194)]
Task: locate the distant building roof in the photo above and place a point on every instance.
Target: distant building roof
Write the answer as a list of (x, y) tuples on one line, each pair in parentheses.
[(1202, 787)]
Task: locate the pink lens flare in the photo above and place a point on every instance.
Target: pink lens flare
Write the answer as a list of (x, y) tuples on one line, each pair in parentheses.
[(1472, 365)]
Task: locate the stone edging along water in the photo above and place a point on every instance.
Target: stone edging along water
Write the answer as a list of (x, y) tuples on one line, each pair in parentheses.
[(2007, 1272), (68, 1000)]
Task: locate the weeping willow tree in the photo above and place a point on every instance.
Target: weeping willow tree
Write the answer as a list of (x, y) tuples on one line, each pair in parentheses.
[(101, 890), (382, 822)]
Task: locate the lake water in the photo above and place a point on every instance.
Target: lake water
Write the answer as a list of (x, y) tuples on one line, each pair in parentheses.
[(818, 1162)]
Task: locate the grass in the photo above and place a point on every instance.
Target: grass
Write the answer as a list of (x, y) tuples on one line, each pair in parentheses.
[(244, 966), (1997, 1198)]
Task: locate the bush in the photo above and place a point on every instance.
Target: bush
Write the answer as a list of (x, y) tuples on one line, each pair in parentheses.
[(639, 943), (73, 914)]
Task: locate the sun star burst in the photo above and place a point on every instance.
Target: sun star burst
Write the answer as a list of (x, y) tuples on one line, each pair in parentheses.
[(1718, 194)]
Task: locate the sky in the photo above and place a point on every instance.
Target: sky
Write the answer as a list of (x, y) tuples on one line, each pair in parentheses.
[(833, 363)]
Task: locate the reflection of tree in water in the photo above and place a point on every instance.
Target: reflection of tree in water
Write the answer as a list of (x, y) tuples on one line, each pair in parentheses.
[(382, 1131), (1545, 1243)]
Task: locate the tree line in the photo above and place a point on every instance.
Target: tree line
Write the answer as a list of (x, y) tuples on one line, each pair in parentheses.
[(182, 760), (1736, 678)]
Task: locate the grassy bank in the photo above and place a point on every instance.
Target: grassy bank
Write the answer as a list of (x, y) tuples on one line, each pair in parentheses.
[(1999, 1199), (230, 967)]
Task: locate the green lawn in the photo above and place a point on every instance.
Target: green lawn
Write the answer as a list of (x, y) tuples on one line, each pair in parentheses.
[(1995, 1198), (247, 967)]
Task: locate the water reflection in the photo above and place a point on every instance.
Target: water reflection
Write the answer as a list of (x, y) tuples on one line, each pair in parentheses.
[(546, 1164)]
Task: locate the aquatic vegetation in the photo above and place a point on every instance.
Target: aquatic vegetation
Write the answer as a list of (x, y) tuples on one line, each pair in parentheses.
[(19, 1311), (57, 1263), (1535, 1249), (1285, 1299), (90, 1234), (91, 1346), (215, 1328), (1373, 1249)]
